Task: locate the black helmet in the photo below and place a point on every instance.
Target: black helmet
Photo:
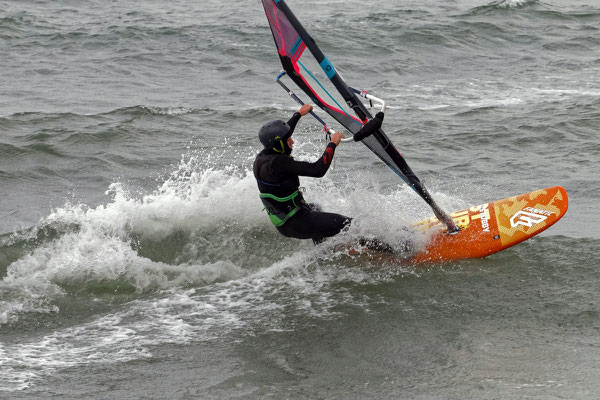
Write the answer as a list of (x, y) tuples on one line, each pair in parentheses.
[(274, 132)]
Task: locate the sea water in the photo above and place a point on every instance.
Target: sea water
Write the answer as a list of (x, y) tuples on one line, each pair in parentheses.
[(136, 260)]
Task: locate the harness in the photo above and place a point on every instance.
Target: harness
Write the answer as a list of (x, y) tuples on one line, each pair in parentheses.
[(281, 209)]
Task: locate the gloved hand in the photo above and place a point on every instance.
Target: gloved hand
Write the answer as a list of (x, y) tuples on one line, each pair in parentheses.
[(370, 127)]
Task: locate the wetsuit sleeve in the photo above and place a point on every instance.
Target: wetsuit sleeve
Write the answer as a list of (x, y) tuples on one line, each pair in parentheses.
[(293, 121), (316, 169)]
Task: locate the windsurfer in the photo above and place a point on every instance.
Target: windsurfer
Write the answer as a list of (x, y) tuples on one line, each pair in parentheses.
[(277, 174)]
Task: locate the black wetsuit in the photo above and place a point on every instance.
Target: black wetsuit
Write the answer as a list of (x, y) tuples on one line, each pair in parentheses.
[(277, 174)]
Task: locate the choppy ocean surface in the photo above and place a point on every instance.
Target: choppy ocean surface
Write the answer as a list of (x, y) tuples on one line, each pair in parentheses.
[(136, 260)]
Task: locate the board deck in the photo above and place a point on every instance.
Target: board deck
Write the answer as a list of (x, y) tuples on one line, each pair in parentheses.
[(492, 227)]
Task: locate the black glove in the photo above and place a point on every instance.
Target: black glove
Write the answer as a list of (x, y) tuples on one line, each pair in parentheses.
[(370, 127)]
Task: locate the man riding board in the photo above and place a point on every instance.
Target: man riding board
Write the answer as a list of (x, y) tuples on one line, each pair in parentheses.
[(277, 174)]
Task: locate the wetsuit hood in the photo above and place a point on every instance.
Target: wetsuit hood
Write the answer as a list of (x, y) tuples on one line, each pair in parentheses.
[(274, 135)]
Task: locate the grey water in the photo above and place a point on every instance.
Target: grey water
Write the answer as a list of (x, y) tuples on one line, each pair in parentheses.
[(136, 260)]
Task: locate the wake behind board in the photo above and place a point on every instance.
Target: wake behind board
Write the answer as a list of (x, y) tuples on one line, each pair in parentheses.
[(492, 227)]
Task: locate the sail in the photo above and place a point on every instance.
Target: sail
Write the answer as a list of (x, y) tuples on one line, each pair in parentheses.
[(292, 41)]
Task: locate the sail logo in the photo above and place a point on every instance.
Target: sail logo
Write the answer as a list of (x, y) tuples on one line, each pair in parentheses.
[(327, 66), (526, 218)]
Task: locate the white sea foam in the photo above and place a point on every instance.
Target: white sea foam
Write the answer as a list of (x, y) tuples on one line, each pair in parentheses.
[(515, 3), (97, 246), (199, 197), (476, 94), (179, 316), (171, 111)]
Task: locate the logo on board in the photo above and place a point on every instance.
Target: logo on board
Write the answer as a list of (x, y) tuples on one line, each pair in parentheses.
[(529, 216)]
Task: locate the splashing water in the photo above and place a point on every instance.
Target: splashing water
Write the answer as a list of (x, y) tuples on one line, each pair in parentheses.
[(201, 247)]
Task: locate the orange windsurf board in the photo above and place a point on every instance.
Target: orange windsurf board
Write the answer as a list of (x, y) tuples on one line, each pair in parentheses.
[(491, 227)]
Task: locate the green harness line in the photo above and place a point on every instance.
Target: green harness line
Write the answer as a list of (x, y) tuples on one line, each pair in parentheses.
[(274, 205)]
